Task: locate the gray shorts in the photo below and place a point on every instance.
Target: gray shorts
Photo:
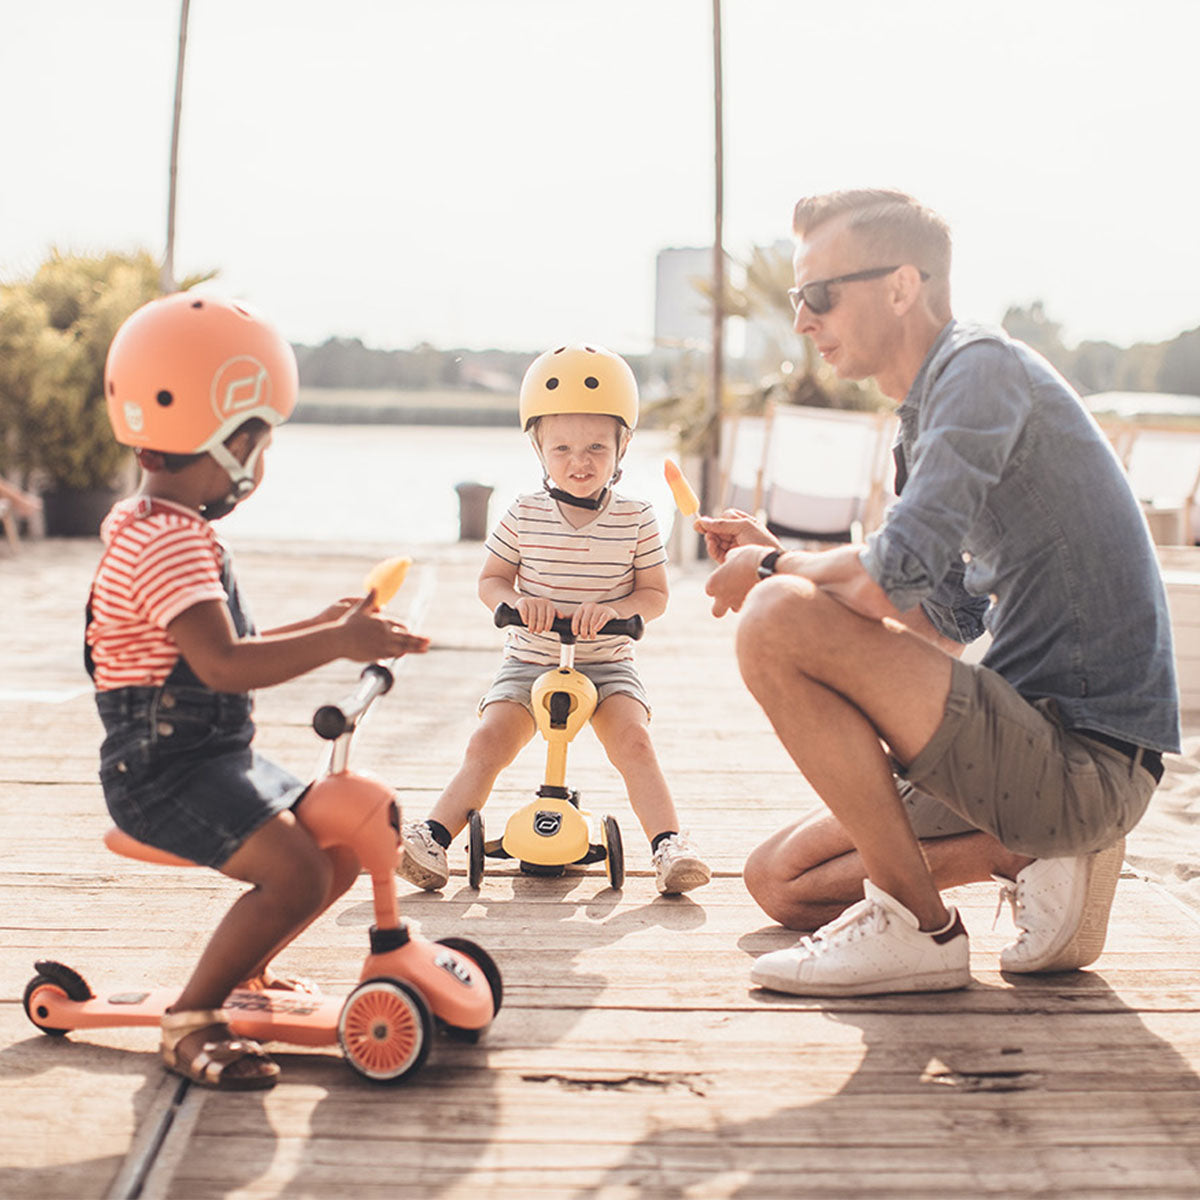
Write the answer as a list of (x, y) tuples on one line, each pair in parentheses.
[(515, 679), (1000, 763)]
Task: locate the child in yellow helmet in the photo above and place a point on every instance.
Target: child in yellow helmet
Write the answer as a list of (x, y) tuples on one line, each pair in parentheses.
[(575, 549)]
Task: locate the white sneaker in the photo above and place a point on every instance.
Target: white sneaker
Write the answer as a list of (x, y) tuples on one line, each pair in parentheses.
[(875, 946), (1060, 906), (423, 861), (677, 866)]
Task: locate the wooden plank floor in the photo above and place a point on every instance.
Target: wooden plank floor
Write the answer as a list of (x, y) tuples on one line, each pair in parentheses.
[(631, 1057)]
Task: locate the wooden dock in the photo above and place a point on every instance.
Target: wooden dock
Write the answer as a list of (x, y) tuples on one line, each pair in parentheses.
[(631, 1058)]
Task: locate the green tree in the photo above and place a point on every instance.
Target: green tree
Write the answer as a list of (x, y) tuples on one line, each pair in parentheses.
[(55, 330)]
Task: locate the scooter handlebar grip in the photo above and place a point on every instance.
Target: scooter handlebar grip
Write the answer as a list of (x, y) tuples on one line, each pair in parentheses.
[(332, 720), (630, 627)]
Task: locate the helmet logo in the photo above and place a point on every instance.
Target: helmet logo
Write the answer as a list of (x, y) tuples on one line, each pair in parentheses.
[(242, 383), (134, 417)]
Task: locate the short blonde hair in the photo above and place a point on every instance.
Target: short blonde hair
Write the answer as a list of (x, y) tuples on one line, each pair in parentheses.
[(892, 224)]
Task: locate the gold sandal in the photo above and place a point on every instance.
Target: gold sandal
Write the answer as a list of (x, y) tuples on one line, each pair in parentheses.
[(209, 1065)]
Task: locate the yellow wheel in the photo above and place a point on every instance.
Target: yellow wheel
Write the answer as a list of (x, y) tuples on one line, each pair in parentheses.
[(385, 1029)]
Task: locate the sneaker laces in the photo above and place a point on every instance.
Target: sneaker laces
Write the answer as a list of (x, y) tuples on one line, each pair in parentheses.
[(857, 921), (418, 831), (1010, 892)]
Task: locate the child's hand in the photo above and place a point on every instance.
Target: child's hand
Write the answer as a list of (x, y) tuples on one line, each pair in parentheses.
[(537, 612), (369, 635), (588, 619), (337, 610)]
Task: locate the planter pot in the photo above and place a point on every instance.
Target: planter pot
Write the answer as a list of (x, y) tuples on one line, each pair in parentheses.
[(77, 512)]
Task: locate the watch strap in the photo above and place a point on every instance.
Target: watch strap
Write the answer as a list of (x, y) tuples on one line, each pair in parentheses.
[(766, 568)]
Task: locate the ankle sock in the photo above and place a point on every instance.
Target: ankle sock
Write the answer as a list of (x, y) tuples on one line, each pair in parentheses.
[(441, 834), (659, 837)]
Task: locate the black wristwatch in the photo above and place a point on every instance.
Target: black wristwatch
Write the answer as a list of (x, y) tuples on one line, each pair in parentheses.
[(766, 568)]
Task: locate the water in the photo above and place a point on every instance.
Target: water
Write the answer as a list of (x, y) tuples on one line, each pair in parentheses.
[(393, 485)]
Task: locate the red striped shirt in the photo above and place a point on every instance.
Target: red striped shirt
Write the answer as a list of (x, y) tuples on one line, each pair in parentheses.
[(159, 560)]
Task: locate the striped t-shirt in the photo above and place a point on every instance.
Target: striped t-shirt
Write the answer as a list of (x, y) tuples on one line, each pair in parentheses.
[(159, 560), (596, 562)]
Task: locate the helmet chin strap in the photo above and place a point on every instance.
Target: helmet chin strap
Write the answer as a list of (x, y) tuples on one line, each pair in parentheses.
[(241, 479)]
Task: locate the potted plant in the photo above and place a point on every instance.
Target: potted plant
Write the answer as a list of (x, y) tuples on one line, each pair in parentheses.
[(55, 329)]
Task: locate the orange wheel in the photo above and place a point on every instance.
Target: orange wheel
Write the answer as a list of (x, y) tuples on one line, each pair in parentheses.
[(385, 1029)]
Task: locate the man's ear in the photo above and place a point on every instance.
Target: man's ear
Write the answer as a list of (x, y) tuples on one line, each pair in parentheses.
[(905, 288), (151, 460)]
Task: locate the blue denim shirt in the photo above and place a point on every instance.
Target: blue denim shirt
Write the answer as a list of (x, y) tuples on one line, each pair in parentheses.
[(1017, 517)]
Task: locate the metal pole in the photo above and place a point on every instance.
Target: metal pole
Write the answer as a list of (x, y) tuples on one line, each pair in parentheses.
[(712, 440), (167, 276)]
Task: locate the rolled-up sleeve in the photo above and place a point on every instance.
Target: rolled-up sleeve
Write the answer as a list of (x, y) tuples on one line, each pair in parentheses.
[(969, 423)]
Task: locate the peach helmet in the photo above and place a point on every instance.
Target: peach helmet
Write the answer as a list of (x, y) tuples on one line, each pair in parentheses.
[(184, 372)]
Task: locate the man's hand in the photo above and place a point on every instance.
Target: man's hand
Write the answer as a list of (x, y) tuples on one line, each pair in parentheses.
[(733, 528), (537, 612), (731, 582)]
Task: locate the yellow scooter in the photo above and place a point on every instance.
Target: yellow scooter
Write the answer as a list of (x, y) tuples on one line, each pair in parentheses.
[(552, 832)]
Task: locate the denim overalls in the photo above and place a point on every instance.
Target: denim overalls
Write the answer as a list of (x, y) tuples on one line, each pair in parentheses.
[(177, 765)]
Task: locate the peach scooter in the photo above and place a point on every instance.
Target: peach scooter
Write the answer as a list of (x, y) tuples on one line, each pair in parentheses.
[(408, 985)]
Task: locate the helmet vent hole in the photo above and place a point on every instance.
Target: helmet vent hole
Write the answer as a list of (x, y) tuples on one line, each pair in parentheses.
[(112, 388), (551, 383), (560, 349), (165, 398), (197, 303), (590, 349), (591, 381)]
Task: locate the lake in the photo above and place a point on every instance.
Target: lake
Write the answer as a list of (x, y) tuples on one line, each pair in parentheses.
[(393, 485)]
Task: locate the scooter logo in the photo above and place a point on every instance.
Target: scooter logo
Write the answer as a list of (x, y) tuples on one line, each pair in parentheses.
[(546, 823), (450, 963), (240, 385)]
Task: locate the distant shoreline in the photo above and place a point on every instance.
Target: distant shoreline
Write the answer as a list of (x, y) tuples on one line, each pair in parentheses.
[(396, 406)]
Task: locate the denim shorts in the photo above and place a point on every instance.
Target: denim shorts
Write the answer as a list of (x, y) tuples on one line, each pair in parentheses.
[(179, 772), (1007, 766), (515, 680)]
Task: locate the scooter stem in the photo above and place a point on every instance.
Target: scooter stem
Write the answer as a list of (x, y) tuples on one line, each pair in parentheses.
[(387, 910), (556, 762)]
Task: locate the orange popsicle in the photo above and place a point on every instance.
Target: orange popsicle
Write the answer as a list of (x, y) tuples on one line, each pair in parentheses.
[(386, 577), (685, 498)]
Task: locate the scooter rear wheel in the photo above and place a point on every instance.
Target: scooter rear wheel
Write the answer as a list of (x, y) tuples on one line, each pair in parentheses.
[(614, 862), (475, 849), (385, 1029), (59, 979)]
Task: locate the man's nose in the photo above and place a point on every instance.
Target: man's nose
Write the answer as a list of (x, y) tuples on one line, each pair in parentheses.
[(804, 321)]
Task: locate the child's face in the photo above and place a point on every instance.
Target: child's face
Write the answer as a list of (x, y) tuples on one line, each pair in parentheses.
[(580, 451)]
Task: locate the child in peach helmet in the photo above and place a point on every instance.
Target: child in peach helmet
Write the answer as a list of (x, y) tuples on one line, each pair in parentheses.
[(575, 549), (196, 384)]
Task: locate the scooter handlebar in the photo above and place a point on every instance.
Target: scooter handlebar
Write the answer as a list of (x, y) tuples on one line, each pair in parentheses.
[(630, 627), (332, 720)]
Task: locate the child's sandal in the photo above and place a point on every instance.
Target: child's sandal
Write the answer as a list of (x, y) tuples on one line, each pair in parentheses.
[(220, 1061)]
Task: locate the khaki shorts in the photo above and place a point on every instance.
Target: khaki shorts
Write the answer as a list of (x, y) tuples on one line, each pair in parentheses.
[(1007, 766), (515, 680)]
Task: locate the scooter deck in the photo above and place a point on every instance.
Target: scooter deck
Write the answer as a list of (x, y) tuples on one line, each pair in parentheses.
[(295, 1017)]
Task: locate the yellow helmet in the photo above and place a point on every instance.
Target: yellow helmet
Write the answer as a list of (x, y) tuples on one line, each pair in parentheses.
[(579, 379)]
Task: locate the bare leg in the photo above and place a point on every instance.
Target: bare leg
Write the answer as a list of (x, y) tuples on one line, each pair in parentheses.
[(504, 728), (623, 727), (345, 870), (834, 684), (293, 881), (806, 874)]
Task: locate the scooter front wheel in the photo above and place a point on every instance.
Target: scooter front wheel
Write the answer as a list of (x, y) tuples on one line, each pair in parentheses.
[(475, 849), (614, 859), (385, 1029)]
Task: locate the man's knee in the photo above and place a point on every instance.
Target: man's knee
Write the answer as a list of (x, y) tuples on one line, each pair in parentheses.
[(775, 619)]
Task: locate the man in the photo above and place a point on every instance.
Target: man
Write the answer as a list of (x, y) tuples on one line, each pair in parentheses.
[(1014, 515)]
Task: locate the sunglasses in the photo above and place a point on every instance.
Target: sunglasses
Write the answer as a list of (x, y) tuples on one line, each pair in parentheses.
[(816, 298)]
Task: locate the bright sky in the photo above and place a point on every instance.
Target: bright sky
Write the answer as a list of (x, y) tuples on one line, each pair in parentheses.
[(502, 172)]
